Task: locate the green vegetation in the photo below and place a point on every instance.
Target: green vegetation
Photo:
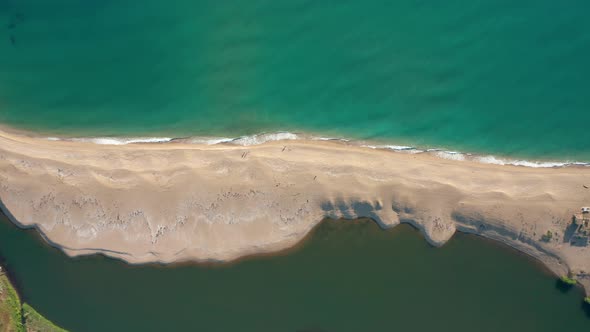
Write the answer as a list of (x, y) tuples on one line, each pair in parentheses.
[(547, 237), (10, 308), (37, 323), (12, 312), (568, 281), (587, 300)]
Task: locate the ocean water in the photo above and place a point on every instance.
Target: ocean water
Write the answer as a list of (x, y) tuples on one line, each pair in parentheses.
[(509, 78), (348, 276)]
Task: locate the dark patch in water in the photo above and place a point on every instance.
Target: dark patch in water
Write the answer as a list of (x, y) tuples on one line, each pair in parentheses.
[(563, 287), (586, 308)]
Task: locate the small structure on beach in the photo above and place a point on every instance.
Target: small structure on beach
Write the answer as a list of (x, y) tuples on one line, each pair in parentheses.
[(584, 213), (581, 221)]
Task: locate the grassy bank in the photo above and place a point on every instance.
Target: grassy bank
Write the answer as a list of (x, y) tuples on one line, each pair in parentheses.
[(17, 317), (35, 322), (10, 307)]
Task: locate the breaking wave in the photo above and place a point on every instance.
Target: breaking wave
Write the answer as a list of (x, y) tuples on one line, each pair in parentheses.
[(250, 140)]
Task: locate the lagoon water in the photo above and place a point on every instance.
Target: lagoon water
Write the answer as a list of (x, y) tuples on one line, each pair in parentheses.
[(348, 276), (501, 77)]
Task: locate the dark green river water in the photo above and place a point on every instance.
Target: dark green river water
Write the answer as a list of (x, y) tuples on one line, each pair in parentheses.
[(347, 276)]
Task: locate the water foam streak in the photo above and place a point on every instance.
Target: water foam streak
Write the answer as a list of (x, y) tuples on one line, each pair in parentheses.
[(250, 140)]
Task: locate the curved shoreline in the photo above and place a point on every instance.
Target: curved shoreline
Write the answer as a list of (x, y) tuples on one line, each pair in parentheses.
[(177, 202), (264, 137)]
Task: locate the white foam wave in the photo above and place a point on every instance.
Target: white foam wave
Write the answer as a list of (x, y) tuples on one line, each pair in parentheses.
[(262, 138), (121, 140), (267, 137), (526, 163), (208, 140), (320, 138), (397, 148), (451, 155)]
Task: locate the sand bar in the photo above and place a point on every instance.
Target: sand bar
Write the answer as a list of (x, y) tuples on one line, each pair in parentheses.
[(175, 202)]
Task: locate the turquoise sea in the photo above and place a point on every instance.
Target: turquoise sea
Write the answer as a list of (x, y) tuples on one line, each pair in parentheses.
[(488, 76)]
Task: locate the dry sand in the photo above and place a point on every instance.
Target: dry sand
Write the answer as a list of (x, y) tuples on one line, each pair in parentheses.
[(188, 202)]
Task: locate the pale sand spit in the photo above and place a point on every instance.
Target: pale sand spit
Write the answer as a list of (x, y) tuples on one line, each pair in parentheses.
[(174, 202)]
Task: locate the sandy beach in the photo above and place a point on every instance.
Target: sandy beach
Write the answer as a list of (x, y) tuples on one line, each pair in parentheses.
[(174, 202)]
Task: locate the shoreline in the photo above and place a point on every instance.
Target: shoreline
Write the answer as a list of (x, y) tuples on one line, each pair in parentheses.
[(502, 245), (272, 254), (264, 137), (178, 202)]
